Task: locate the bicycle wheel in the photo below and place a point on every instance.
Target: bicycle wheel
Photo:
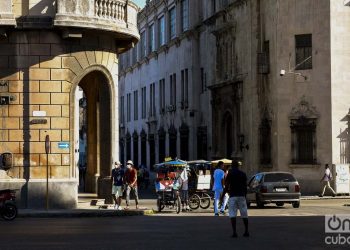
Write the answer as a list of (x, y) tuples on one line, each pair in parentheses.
[(205, 201), (194, 201), (160, 205), (177, 205)]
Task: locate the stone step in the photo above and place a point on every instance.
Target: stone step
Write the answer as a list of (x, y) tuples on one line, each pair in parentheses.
[(97, 202)]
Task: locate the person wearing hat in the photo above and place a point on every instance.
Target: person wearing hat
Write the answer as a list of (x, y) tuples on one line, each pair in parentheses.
[(131, 183), (117, 178), (236, 186)]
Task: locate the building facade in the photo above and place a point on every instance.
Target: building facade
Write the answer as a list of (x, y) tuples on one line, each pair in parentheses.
[(49, 49), (266, 82)]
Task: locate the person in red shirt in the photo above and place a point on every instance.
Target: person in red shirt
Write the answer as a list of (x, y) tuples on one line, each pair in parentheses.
[(130, 178)]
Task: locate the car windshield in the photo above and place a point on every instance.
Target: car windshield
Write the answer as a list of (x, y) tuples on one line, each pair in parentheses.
[(277, 177)]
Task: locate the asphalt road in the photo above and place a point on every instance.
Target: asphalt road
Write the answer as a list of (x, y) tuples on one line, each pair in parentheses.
[(270, 228)]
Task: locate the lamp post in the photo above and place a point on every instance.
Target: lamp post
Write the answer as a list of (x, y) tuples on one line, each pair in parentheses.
[(47, 150)]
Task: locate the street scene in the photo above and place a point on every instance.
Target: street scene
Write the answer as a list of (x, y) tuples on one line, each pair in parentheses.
[(271, 228), (174, 124)]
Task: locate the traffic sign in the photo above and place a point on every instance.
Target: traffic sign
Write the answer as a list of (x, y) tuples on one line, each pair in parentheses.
[(63, 144)]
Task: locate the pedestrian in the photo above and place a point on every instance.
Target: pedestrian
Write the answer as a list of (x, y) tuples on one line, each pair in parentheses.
[(218, 185), (131, 183), (224, 196), (327, 177), (183, 184), (117, 178), (236, 186)]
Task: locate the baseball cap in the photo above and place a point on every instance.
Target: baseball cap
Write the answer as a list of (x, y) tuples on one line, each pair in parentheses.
[(129, 162), (117, 163)]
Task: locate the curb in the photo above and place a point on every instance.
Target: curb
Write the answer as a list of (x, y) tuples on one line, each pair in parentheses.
[(324, 197), (81, 213)]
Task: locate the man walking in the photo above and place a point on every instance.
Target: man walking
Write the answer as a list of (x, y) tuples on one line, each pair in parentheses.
[(117, 188), (218, 186), (236, 186), (131, 182), (327, 177)]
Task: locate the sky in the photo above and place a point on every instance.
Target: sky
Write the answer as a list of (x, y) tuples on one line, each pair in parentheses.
[(140, 3)]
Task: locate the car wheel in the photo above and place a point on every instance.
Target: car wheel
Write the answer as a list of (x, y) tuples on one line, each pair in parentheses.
[(259, 203), (296, 204), (279, 204)]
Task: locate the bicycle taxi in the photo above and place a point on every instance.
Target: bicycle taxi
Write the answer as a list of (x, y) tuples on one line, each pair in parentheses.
[(166, 184), (199, 184)]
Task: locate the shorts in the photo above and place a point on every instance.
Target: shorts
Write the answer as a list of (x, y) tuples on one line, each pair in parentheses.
[(117, 190), (237, 203)]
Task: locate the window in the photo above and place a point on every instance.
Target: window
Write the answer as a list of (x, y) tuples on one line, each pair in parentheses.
[(152, 110), (135, 144), (122, 109), (152, 45), (265, 142), (161, 96), (172, 23), (161, 31), (143, 48), (184, 88), (203, 79), (134, 55), (135, 105), (143, 101), (303, 140), (303, 52), (173, 89), (128, 107), (184, 14)]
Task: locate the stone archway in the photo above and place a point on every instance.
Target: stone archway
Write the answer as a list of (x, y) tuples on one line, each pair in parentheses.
[(98, 91)]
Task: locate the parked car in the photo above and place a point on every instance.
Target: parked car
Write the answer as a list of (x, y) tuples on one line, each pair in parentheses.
[(273, 187)]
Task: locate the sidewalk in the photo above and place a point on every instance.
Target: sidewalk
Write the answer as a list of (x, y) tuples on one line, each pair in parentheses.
[(84, 209)]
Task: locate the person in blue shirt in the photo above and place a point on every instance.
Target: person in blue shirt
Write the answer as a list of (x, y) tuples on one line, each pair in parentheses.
[(117, 188), (218, 186)]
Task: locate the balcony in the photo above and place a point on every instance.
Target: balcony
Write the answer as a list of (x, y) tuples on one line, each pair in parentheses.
[(116, 17), (6, 13)]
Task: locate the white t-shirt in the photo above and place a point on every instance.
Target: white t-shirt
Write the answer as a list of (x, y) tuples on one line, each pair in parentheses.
[(219, 175)]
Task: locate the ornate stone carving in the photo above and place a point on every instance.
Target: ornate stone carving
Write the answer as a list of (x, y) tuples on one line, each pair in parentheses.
[(304, 109)]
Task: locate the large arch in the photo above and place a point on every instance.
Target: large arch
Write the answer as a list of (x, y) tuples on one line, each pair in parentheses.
[(101, 92)]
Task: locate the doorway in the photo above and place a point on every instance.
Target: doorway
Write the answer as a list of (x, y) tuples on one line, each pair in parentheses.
[(97, 127)]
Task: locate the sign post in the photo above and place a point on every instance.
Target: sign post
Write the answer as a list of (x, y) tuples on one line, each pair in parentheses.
[(47, 150)]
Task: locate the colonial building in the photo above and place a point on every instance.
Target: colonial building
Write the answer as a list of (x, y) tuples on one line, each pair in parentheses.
[(262, 80), (162, 91), (48, 49)]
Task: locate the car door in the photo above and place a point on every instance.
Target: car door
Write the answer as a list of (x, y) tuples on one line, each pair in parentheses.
[(253, 187), (250, 191)]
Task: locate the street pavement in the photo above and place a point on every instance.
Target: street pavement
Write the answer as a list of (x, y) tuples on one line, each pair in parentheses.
[(271, 227)]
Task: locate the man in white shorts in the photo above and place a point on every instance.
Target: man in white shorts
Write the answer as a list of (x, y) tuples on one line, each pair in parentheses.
[(117, 188), (236, 186)]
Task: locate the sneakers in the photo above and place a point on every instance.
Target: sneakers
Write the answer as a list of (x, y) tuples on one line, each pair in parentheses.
[(246, 234), (116, 206), (216, 214), (334, 195), (120, 208), (222, 212)]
